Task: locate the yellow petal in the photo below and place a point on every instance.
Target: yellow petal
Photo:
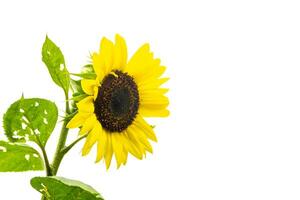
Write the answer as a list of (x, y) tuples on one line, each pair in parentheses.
[(91, 139), (123, 141), (78, 120), (98, 65), (117, 148), (135, 141), (125, 157), (108, 151), (88, 124), (157, 93), (154, 101), (131, 147), (150, 112), (106, 52), (158, 70), (96, 93), (153, 83), (143, 138), (138, 64), (120, 53), (143, 125), (150, 92), (89, 86), (140, 137), (86, 105), (154, 70), (143, 66), (101, 145)]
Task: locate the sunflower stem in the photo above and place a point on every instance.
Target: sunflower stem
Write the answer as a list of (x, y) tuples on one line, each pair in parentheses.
[(67, 148), (46, 160), (62, 140)]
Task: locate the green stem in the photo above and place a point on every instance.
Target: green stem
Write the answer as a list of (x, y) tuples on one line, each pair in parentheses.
[(61, 142), (46, 160), (67, 148), (43, 198)]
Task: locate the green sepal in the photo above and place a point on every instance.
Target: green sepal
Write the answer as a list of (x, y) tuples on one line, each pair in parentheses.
[(76, 87), (87, 72), (86, 75), (88, 69), (78, 97), (78, 94)]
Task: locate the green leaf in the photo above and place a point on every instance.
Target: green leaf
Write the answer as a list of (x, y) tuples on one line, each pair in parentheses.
[(55, 62), (19, 157), (30, 119), (60, 188)]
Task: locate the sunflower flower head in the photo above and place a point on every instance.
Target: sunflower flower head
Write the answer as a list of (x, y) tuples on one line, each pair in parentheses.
[(121, 95)]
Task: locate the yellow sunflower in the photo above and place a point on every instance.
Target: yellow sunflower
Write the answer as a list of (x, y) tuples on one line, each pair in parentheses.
[(123, 93)]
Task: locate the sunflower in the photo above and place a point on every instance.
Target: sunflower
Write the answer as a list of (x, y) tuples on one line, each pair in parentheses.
[(121, 95)]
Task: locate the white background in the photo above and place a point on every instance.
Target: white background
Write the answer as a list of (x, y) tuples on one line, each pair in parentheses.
[(234, 128)]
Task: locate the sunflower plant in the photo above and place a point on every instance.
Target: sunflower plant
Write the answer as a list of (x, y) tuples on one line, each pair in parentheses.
[(107, 102)]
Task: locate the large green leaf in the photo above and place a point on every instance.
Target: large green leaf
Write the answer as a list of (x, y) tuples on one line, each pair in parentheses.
[(30, 119), (60, 188), (55, 62), (19, 157)]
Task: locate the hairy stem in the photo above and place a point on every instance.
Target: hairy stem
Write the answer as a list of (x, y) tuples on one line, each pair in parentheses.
[(62, 141), (46, 160), (67, 148)]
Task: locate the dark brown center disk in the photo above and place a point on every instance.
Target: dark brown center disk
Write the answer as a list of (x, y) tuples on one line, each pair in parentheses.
[(117, 102)]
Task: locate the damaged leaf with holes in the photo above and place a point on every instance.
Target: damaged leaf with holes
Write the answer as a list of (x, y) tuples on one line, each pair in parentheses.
[(19, 157), (59, 188), (30, 119), (55, 62)]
